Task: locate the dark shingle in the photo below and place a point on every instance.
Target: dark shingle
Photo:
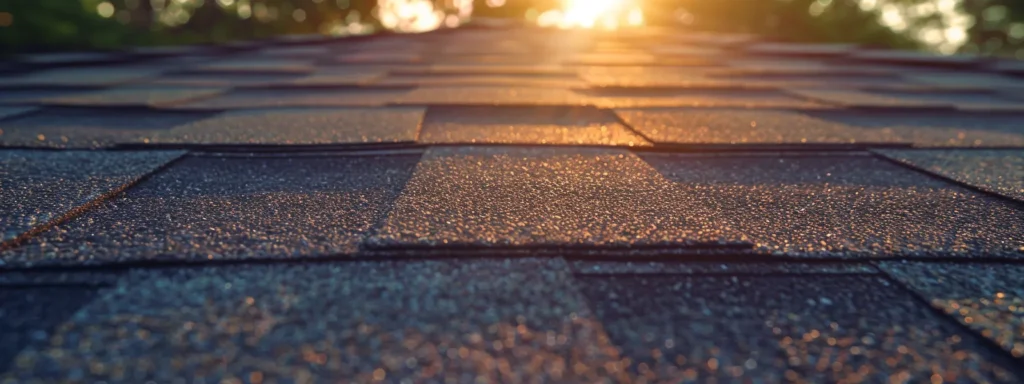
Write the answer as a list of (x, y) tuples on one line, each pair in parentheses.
[(478, 196), (300, 97), (998, 171), (741, 126), (845, 206), (304, 126), (934, 129), (89, 128), (987, 298), (231, 208), (785, 329), (136, 96), (37, 187), (32, 315), (526, 125), (589, 267), (622, 97), (432, 321)]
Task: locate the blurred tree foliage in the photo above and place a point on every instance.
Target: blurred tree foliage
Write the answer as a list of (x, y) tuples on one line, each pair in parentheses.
[(991, 26)]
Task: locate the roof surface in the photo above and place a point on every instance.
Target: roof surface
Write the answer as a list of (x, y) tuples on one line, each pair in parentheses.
[(511, 205)]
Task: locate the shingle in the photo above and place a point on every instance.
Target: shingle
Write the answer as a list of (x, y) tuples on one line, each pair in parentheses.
[(845, 206), (255, 65), (987, 298), (391, 57), (304, 126), (341, 76), (998, 171), (89, 128), (86, 76), (223, 79), (33, 96), (41, 186), (136, 96), (865, 99), (230, 208), (824, 78), (34, 314), (934, 129), (625, 97), (539, 197), (301, 97), (433, 321), (297, 51), (6, 112), (70, 58), (742, 126), (966, 80), (496, 70), (797, 49), (785, 329), (483, 80), (526, 125), (490, 95), (592, 267), (915, 58)]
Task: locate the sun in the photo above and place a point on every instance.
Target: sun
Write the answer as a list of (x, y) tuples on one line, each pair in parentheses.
[(607, 14)]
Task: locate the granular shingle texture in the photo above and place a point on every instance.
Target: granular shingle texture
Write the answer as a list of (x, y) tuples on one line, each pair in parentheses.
[(32, 314), (230, 208), (741, 126), (502, 203), (304, 126), (57, 127), (136, 97), (785, 329), (997, 171), (984, 297), (435, 321), (845, 206), (544, 197), (39, 187), (299, 97), (526, 125), (935, 129)]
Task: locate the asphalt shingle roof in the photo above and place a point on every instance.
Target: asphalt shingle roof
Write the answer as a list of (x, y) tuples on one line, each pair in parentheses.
[(511, 205)]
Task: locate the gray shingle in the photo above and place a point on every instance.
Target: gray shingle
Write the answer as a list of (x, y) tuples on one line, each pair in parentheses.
[(998, 171), (491, 95), (742, 126), (34, 314), (6, 112), (434, 321), (589, 267), (37, 187), (934, 129), (855, 206), (304, 126), (255, 65), (526, 125), (784, 329), (538, 197), (86, 76), (230, 208), (622, 97), (89, 128), (136, 96), (987, 298), (300, 97)]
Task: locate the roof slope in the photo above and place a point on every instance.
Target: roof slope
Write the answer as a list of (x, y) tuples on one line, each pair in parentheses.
[(511, 205)]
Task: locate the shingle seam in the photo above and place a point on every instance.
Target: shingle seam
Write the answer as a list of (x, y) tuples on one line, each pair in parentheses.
[(1008, 361), (939, 176), (85, 207)]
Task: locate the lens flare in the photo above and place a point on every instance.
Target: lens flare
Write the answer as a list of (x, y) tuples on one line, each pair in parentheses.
[(606, 14)]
